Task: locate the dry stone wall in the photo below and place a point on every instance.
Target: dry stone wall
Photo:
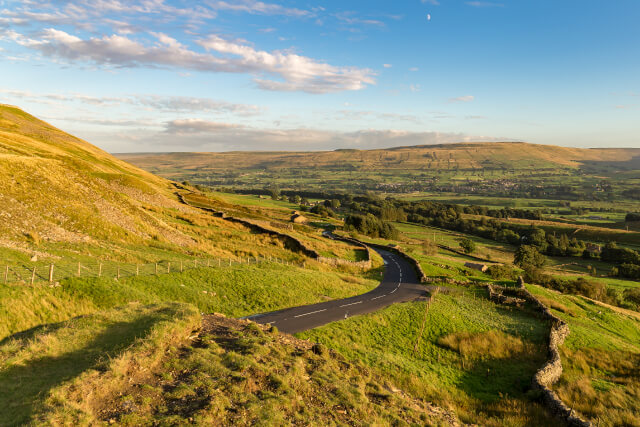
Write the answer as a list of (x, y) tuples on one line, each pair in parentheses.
[(290, 242), (546, 376)]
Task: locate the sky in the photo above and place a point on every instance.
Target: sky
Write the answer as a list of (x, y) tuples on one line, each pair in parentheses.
[(223, 75)]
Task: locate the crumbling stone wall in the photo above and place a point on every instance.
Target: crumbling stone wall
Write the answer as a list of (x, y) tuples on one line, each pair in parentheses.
[(290, 242), (551, 371)]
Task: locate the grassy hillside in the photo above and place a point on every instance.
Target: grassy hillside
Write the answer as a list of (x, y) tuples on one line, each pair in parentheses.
[(506, 155), (600, 358), (507, 169), (101, 221), (165, 365)]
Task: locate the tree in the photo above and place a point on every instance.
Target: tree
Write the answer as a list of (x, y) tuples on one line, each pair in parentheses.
[(274, 192), (467, 245), (429, 247), (632, 217), (528, 256)]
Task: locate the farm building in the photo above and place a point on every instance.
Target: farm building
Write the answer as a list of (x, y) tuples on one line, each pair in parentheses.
[(296, 218), (475, 266)]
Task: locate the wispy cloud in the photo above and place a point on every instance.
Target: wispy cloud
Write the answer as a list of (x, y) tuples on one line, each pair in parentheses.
[(483, 4), (466, 98), (293, 72), (258, 7), (167, 104), (200, 135), (350, 18)]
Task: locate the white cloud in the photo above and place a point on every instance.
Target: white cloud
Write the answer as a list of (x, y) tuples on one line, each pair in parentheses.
[(190, 126), (257, 7), (351, 19), (387, 65), (171, 104), (432, 2), (201, 135), (414, 69), (293, 72), (466, 98)]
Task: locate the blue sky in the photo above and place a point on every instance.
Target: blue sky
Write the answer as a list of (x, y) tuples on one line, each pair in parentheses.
[(160, 75)]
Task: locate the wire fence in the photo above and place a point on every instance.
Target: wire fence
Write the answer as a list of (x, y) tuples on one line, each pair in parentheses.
[(55, 272)]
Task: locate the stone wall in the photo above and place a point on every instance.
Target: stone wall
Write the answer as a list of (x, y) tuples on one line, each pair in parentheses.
[(551, 371), (291, 243), (366, 264)]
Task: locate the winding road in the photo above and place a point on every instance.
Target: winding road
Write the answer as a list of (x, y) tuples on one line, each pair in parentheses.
[(399, 284)]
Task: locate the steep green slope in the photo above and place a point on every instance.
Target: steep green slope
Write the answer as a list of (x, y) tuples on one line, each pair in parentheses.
[(164, 365)]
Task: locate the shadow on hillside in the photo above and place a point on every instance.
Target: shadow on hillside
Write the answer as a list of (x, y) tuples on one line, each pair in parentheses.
[(24, 387)]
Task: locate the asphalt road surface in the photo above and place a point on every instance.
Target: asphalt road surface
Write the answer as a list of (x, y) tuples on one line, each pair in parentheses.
[(399, 284)]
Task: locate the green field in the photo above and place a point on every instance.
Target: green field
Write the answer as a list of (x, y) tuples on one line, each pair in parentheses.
[(486, 382)]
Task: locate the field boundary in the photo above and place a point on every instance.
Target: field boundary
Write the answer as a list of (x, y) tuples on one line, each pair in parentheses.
[(551, 371), (290, 242)]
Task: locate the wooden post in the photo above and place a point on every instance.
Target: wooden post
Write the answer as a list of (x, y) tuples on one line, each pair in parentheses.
[(50, 273), (6, 274), (180, 266), (33, 275), (208, 263), (219, 262), (118, 276), (156, 268), (168, 266), (229, 262), (195, 263), (137, 269), (78, 269), (100, 270)]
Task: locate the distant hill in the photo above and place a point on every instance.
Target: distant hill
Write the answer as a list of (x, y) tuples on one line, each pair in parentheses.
[(507, 169), (488, 155)]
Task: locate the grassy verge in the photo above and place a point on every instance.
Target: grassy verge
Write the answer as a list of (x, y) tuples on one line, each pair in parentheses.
[(37, 361), (234, 373), (600, 359), (473, 356), (235, 291)]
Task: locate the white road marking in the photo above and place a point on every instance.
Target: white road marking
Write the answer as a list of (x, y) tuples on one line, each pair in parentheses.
[(394, 290), (378, 297), (353, 303), (313, 312)]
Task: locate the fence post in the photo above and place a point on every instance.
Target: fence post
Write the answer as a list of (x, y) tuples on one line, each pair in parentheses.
[(78, 269), (33, 275), (6, 274), (219, 262), (156, 268), (168, 266), (100, 270), (180, 266), (137, 269), (50, 273), (118, 276), (229, 262), (195, 263)]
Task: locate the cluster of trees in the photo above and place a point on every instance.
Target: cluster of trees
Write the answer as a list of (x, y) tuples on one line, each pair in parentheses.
[(627, 259), (632, 217), (371, 226), (323, 211)]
